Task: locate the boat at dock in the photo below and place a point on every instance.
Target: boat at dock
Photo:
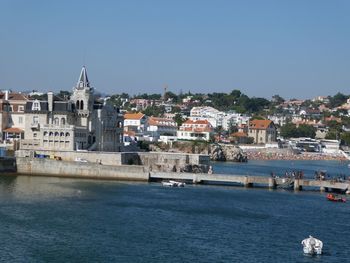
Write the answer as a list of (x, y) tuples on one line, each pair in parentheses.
[(172, 183), (285, 183), (335, 198), (312, 246)]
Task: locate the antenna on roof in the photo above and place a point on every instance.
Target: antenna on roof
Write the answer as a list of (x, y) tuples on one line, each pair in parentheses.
[(165, 91)]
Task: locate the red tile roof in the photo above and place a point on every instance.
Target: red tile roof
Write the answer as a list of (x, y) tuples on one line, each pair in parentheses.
[(13, 130), (259, 124), (197, 122), (133, 116)]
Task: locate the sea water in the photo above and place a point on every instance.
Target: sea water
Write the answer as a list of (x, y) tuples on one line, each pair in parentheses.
[(46, 219)]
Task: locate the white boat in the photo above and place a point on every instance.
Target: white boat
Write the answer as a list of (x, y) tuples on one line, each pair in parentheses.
[(312, 246), (172, 183)]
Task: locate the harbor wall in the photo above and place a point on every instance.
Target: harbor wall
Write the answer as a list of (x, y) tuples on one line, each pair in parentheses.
[(153, 161), (7, 164), (47, 167)]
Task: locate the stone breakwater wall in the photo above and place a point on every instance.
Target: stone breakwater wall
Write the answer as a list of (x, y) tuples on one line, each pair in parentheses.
[(47, 167), (7, 165), (152, 161), (284, 154)]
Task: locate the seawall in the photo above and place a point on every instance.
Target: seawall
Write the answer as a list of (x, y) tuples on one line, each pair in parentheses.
[(47, 167), (7, 164), (153, 161)]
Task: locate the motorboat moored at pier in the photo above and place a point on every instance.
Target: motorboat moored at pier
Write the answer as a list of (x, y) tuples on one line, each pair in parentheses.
[(312, 246), (172, 183)]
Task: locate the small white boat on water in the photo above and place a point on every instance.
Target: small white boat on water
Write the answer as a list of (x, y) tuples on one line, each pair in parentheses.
[(312, 246), (172, 183)]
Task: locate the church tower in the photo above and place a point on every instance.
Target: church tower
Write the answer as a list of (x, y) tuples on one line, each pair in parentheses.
[(83, 98)]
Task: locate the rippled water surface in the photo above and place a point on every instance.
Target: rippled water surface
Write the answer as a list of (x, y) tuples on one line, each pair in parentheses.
[(68, 220)]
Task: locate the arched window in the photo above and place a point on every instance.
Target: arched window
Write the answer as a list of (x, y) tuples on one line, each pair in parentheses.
[(56, 121), (62, 134), (81, 104), (67, 134), (57, 134), (45, 133), (78, 105), (51, 134)]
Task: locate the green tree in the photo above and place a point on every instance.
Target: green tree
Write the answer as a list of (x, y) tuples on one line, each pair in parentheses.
[(337, 100), (345, 138), (289, 130), (179, 119), (277, 99), (306, 131), (154, 111)]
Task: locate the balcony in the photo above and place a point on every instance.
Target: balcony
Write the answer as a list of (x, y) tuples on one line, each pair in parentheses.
[(35, 126)]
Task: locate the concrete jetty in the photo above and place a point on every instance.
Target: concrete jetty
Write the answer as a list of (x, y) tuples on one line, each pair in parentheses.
[(251, 181), (48, 167)]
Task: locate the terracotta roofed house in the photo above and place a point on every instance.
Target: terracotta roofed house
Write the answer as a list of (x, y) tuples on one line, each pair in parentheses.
[(136, 122), (262, 131), (195, 130)]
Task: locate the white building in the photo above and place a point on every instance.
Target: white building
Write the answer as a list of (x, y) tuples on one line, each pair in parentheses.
[(136, 122), (195, 130), (158, 127), (80, 123), (218, 118)]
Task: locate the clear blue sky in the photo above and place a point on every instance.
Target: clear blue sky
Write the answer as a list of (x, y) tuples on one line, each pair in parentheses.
[(294, 48)]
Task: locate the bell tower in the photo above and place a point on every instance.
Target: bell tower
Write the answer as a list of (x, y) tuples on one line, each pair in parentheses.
[(83, 95), (83, 99)]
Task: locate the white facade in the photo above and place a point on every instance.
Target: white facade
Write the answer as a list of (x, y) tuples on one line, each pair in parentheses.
[(195, 130), (80, 123), (218, 118)]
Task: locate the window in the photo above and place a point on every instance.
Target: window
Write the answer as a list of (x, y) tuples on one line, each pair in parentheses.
[(20, 120), (63, 121), (35, 134), (35, 119), (11, 108), (20, 108), (56, 121), (36, 106)]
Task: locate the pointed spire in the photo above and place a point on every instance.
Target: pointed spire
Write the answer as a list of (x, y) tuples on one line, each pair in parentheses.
[(83, 81)]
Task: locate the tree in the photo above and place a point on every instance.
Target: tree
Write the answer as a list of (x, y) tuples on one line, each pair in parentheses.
[(64, 94), (306, 131), (345, 137), (337, 100), (289, 130), (179, 119), (154, 111), (277, 99)]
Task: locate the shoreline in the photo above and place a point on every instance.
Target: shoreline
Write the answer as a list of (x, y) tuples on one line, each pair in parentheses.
[(288, 155)]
